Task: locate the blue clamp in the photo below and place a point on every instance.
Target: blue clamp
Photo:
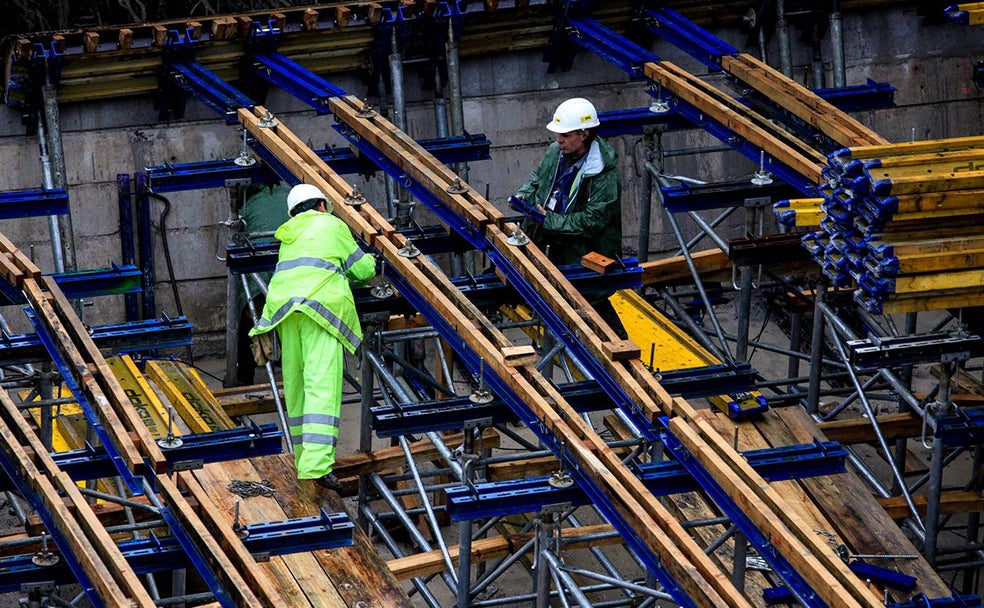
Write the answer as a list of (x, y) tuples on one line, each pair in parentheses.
[(527, 209)]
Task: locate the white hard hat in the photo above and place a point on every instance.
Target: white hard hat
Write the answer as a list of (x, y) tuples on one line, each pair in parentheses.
[(302, 193), (574, 114)]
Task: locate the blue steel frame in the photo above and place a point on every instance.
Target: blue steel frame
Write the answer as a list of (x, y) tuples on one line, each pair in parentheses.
[(128, 243), (32, 203), (83, 284), (689, 37), (285, 73), (218, 173), (617, 50), (64, 547), (133, 482), (161, 553)]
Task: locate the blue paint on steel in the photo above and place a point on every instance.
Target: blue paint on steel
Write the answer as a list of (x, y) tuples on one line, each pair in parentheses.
[(610, 46), (183, 72), (83, 284), (776, 596), (857, 97), (118, 338), (882, 577), (296, 80), (163, 553), (511, 497), (218, 173), (635, 121), (93, 462), (700, 197), (689, 37), (145, 246), (128, 242), (132, 481), (33, 203)]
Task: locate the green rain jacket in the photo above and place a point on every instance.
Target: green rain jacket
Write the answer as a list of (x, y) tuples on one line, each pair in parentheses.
[(593, 219), (318, 259)]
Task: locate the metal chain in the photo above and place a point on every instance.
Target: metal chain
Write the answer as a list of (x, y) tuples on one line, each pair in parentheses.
[(247, 489)]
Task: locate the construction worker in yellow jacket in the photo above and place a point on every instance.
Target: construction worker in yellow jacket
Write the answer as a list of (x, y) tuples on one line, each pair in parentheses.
[(310, 303)]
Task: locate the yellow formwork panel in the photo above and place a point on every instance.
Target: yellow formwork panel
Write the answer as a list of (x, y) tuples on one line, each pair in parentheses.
[(66, 421), (141, 395), (190, 397), (664, 345)]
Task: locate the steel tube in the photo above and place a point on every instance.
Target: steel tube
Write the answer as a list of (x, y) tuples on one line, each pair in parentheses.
[(394, 548), (837, 49), (785, 46), (816, 351), (567, 580)]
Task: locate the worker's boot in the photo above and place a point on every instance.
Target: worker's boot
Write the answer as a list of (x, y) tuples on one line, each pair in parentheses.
[(329, 482)]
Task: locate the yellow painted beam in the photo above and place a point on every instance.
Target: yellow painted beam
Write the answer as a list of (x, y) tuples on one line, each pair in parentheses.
[(142, 396)]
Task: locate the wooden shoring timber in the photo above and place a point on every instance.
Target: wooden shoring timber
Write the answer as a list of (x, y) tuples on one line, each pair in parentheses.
[(859, 430), (798, 543), (951, 502), (930, 146), (800, 101), (923, 303), (746, 123), (935, 182), (971, 159), (91, 546), (906, 285), (676, 268), (937, 201), (497, 547), (936, 262), (108, 416), (364, 463), (414, 159), (851, 508)]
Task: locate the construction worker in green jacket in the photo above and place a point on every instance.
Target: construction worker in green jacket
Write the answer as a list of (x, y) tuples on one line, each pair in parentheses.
[(573, 199), (310, 303)]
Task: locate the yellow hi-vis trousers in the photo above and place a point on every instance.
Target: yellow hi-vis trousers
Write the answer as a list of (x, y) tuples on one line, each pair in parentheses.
[(312, 361)]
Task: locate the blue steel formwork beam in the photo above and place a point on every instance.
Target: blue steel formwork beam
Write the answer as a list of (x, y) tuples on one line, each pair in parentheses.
[(689, 37), (610, 46), (224, 172), (504, 498), (162, 553), (83, 284), (197, 449), (576, 349), (119, 338), (32, 203), (181, 71)]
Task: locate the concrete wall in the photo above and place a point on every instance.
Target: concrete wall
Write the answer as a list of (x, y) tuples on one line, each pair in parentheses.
[(509, 98)]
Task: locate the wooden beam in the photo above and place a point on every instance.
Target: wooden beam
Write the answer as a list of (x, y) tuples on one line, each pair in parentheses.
[(859, 430), (672, 270), (951, 502)]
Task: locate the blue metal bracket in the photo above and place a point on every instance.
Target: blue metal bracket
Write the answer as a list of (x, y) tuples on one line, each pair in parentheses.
[(963, 427), (700, 197), (689, 37), (883, 577), (956, 15), (222, 173), (83, 284), (874, 353), (610, 46), (133, 482), (162, 553), (857, 97), (196, 449), (502, 498), (33, 203), (119, 338), (709, 381), (181, 71)]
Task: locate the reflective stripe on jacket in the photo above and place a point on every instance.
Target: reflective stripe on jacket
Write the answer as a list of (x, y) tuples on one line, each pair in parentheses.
[(318, 259)]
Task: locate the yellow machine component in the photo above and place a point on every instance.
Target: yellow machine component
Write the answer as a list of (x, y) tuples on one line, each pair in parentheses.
[(189, 396), (141, 395), (666, 347)]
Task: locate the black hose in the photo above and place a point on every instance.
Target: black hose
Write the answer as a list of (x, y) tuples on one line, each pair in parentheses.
[(167, 260)]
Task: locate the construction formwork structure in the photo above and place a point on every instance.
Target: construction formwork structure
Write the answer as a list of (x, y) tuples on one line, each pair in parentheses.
[(672, 482)]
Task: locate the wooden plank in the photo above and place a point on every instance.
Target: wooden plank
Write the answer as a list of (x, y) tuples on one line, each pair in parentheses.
[(674, 269), (695, 92), (813, 559), (243, 586), (297, 576), (800, 101), (224, 28), (97, 571), (106, 414), (358, 573), (597, 262), (859, 430), (125, 40), (364, 463), (928, 146), (487, 549), (620, 350), (342, 15), (90, 42), (951, 502), (107, 382), (310, 19), (854, 513)]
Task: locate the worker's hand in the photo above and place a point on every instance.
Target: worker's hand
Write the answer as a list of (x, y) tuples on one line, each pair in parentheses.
[(534, 212)]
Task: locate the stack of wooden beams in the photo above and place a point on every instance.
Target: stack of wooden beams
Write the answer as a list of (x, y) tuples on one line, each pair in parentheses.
[(905, 224)]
